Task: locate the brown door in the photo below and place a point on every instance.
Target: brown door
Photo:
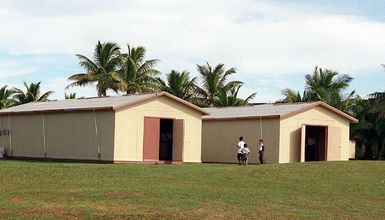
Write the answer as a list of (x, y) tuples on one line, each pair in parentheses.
[(334, 144), (178, 138), (151, 139), (303, 139)]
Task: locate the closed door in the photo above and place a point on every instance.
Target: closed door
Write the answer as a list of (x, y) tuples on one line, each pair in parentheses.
[(178, 139), (151, 139), (334, 144)]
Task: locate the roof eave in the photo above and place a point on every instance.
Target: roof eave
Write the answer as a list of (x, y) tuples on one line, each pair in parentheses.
[(188, 104), (320, 103), (240, 118), (56, 110)]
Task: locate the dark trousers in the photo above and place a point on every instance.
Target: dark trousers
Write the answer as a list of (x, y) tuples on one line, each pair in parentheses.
[(239, 157), (261, 157)]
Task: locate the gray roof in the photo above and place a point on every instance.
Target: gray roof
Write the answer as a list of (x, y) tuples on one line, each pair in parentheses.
[(107, 103), (265, 110)]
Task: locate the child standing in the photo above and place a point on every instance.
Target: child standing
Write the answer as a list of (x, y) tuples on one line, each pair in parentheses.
[(241, 145), (245, 153)]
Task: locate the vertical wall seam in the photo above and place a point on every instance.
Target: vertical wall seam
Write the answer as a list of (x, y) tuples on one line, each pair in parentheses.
[(44, 143), (97, 135), (10, 135)]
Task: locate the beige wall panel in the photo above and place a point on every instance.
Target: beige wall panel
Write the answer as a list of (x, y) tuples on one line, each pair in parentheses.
[(130, 122), (291, 127), (220, 138), (67, 135), (5, 139), (73, 135), (27, 136)]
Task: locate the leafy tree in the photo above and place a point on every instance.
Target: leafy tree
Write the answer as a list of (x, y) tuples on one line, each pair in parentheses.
[(323, 85), (32, 93), (101, 69), (369, 132), (6, 99), (179, 84), (213, 80), (136, 74), (70, 96), (230, 98), (292, 96)]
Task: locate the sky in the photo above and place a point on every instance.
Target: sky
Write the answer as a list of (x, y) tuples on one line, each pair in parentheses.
[(272, 44)]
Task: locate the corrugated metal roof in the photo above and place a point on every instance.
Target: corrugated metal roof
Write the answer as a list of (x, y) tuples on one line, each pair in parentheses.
[(265, 110), (112, 102), (269, 110)]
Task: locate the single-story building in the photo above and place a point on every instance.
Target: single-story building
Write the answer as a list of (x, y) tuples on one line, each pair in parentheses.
[(148, 127), (291, 132)]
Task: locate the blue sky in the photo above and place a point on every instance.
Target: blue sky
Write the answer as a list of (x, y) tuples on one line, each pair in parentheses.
[(271, 43)]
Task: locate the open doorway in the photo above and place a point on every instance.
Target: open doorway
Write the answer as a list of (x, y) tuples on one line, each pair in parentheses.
[(163, 139), (315, 143), (166, 139)]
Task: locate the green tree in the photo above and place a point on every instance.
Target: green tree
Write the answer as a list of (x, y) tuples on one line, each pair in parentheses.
[(136, 74), (292, 96), (32, 93), (230, 98), (369, 132), (179, 84), (6, 99), (323, 85), (101, 70), (70, 96), (214, 80)]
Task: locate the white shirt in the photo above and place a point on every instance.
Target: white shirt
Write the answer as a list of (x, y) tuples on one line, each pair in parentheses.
[(261, 147), (241, 145), (246, 150)]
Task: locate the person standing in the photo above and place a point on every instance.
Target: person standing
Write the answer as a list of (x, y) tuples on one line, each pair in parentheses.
[(261, 151), (241, 145), (245, 153)]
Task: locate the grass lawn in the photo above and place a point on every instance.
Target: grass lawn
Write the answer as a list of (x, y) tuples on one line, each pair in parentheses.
[(338, 190)]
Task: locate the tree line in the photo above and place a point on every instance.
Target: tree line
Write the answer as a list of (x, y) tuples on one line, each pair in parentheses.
[(128, 72)]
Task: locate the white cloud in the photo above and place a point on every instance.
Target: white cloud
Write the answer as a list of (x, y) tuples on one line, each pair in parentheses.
[(259, 38), (15, 68)]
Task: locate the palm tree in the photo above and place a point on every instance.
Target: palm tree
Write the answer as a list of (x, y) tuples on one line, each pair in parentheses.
[(179, 84), (369, 132), (322, 83), (214, 79), (6, 100), (137, 75), (292, 96), (100, 70), (32, 94), (377, 102), (230, 98), (70, 96)]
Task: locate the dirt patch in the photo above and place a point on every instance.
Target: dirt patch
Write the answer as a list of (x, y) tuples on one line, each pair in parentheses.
[(108, 193), (113, 210), (56, 211), (16, 200)]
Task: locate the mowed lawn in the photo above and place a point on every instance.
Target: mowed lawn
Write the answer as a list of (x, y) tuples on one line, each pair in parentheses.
[(338, 190)]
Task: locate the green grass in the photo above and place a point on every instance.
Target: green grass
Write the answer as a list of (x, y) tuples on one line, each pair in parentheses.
[(324, 190)]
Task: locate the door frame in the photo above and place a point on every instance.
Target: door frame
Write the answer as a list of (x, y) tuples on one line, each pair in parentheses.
[(154, 117), (303, 139)]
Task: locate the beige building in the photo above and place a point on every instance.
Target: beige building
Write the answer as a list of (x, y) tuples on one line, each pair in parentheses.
[(150, 127), (291, 132)]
